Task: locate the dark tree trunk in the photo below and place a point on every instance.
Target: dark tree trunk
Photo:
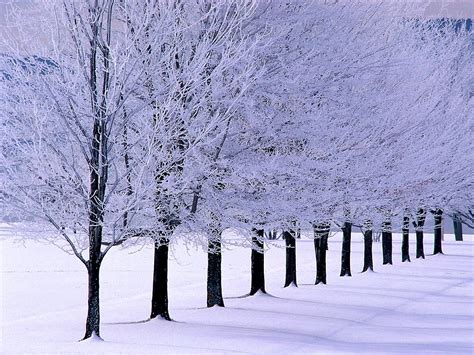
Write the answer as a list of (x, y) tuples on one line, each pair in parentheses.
[(98, 165), (214, 272), (420, 222), (457, 228), (159, 301), (368, 259), (438, 218), (98, 183), (320, 247), (405, 246), (346, 249), (420, 253), (406, 239), (93, 308), (290, 242), (387, 243), (257, 264)]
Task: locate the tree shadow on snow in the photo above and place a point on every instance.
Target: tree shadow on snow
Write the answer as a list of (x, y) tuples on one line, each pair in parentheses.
[(248, 295), (149, 320)]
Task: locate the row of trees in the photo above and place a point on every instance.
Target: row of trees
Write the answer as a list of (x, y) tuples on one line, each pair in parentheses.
[(175, 120), (321, 235)]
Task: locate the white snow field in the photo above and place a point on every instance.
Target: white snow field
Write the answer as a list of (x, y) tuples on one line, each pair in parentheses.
[(426, 306)]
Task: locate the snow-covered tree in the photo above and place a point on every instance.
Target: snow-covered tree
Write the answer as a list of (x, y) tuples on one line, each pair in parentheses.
[(206, 64), (71, 119)]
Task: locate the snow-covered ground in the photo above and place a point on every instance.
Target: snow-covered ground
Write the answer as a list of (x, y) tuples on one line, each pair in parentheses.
[(426, 306)]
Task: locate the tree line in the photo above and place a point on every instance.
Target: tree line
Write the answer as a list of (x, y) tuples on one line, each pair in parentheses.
[(165, 121)]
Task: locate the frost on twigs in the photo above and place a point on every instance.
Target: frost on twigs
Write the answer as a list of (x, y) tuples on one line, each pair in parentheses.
[(144, 122)]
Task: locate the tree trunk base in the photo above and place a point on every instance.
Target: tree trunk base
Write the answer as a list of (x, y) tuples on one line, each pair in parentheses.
[(290, 241), (93, 304), (257, 264), (163, 316), (368, 259), (320, 248), (437, 233), (91, 337), (420, 222), (254, 292), (214, 272), (159, 302), (387, 244), (457, 228), (405, 247), (367, 268), (346, 250), (420, 253)]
